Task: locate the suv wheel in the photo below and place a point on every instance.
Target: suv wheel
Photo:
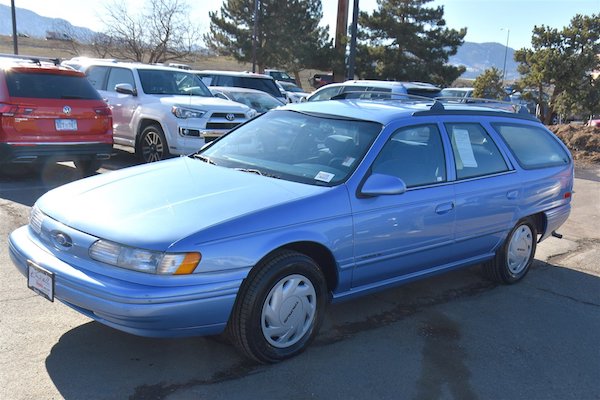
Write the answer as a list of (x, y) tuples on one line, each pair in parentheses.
[(152, 145), (88, 166)]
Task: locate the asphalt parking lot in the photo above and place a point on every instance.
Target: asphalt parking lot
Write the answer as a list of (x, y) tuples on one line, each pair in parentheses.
[(456, 336)]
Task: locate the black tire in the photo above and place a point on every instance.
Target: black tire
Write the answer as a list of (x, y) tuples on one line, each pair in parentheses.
[(152, 145), (88, 166), (251, 327), (514, 258)]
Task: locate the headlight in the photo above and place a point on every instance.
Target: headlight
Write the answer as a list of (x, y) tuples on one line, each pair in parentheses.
[(182, 112), (35, 219), (152, 262)]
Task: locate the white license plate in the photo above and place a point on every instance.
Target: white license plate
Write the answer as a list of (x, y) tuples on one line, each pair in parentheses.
[(40, 281), (65, 124)]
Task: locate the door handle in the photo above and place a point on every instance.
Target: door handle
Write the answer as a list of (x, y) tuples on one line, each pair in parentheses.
[(444, 208), (513, 194)]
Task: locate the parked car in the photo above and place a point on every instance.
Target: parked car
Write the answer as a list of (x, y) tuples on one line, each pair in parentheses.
[(318, 201), (457, 93), (242, 79), (594, 120), (256, 99), (319, 80), (161, 111), (51, 113), (280, 76), (293, 93), (374, 89)]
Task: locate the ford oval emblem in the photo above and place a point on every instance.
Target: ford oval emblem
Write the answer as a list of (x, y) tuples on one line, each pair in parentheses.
[(67, 110), (230, 117), (61, 240)]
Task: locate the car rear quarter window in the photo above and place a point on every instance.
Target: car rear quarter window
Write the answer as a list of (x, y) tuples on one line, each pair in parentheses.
[(533, 147), (414, 154), (50, 86), (475, 153)]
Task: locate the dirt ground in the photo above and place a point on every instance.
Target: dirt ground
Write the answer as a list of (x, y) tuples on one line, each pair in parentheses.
[(583, 141)]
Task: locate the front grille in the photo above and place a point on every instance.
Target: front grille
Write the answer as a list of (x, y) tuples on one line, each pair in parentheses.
[(222, 125), (224, 115)]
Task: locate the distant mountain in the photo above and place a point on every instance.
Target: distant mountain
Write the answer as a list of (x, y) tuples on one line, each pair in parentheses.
[(477, 57), (34, 25)]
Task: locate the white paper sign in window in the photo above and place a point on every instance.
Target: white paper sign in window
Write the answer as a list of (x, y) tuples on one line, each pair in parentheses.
[(465, 150)]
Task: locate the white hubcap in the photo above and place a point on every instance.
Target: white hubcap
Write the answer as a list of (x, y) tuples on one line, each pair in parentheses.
[(519, 249), (289, 311)]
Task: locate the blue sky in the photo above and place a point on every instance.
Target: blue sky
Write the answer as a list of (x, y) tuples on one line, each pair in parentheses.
[(486, 20)]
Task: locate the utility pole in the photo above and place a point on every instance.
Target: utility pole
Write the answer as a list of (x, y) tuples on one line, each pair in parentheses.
[(254, 35), (341, 34), (353, 32), (14, 27), (505, 54)]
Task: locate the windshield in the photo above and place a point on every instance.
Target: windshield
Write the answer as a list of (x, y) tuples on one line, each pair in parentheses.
[(156, 81), (260, 101), (318, 150)]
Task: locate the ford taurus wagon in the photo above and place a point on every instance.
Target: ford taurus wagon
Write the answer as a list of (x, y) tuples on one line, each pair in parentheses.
[(308, 204)]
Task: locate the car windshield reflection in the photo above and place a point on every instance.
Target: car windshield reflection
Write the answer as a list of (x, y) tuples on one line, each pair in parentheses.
[(318, 150)]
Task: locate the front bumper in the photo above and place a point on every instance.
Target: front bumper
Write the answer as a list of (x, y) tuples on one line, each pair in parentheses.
[(199, 306)]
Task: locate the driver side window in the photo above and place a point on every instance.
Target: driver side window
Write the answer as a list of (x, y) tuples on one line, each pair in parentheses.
[(414, 154)]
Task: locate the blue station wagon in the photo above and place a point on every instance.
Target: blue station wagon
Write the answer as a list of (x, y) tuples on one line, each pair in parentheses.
[(315, 202)]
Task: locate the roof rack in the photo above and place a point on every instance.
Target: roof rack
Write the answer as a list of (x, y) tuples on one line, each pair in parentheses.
[(390, 96), (35, 59), (480, 101)]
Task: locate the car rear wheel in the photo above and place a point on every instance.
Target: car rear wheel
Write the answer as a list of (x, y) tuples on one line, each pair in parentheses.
[(152, 145), (88, 166), (279, 308), (513, 260)]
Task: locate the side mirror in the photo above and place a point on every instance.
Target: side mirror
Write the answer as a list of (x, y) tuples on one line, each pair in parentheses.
[(125, 88), (381, 184), (220, 96)]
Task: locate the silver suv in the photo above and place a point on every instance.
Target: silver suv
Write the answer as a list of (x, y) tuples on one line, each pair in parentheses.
[(161, 111)]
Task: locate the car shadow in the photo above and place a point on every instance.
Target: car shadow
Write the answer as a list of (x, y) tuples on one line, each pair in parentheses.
[(25, 183), (93, 361)]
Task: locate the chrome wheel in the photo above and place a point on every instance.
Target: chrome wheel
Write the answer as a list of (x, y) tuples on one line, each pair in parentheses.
[(520, 248), (153, 147), (289, 311)]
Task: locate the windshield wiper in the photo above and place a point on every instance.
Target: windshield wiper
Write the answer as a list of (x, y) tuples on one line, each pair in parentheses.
[(203, 158), (257, 172)]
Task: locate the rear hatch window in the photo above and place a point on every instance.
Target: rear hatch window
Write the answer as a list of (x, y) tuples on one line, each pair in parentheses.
[(50, 86)]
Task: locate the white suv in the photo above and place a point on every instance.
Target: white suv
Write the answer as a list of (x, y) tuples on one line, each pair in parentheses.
[(161, 111)]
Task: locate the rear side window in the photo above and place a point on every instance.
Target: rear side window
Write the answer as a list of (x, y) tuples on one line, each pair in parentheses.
[(532, 146), (475, 153), (49, 86)]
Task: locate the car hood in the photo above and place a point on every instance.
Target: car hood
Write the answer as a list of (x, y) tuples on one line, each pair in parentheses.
[(214, 103), (155, 205)]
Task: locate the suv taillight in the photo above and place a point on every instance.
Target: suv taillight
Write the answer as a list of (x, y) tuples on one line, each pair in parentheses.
[(104, 111), (8, 110)]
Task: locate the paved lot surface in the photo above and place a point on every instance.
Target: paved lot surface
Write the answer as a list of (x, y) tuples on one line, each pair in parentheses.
[(452, 337)]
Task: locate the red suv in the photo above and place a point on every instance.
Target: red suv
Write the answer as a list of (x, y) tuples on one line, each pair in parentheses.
[(51, 113)]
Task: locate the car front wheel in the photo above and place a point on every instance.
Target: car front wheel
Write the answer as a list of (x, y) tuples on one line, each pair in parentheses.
[(152, 145), (513, 260), (279, 308)]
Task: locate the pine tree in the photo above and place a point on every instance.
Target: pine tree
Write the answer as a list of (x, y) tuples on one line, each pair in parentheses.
[(562, 62), (489, 85), (404, 40), (289, 35)]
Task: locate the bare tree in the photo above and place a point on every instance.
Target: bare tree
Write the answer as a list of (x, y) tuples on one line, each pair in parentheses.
[(160, 32)]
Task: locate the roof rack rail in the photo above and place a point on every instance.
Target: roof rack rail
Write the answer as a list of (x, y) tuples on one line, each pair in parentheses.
[(480, 101), (390, 96), (35, 59)]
